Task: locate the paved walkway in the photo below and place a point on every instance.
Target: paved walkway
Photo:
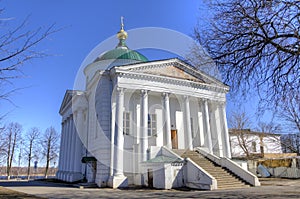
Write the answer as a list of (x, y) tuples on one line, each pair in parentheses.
[(270, 189)]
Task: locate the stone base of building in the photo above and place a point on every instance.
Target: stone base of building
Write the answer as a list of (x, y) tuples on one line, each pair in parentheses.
[(62, 175), (118, 182), (69, 176), (75, 176), (58, 175), (137, 179)]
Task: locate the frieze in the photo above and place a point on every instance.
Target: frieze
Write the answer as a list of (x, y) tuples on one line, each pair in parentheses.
[(173, 81)]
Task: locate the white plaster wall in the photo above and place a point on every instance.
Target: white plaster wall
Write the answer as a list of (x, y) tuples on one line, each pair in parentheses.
[(271, 144), (213, 128), (155, 107), (99, 128), (165, 176), (180, 130), (195, 178), (130, 101), (102, 174), (159, 180), (174, 176), (197, 124), (174, 107), (201, 127), (160, 129)]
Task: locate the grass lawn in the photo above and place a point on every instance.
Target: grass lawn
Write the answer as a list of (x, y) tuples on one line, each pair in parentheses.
[(10, 194)]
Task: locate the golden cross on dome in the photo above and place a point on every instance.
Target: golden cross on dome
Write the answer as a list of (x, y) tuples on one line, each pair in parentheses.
[(122, 22)]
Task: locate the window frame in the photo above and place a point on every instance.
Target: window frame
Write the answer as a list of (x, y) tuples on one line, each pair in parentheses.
[(126, 120), (152, 124)]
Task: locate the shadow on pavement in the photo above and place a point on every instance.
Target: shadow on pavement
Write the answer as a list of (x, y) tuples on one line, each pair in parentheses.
[(24, 183)]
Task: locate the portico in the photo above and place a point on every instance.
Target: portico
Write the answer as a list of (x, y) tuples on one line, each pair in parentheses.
[(203, 125)]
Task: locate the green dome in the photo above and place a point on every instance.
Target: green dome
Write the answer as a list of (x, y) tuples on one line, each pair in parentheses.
[(122, 53)]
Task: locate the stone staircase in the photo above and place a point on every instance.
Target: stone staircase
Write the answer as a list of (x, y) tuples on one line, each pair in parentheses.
[(225, 179)]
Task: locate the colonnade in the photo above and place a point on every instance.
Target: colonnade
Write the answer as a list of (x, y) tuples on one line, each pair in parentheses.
[(69, 168), (212, 111)]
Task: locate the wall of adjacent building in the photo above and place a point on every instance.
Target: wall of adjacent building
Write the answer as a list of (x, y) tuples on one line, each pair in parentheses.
[(271, 144)]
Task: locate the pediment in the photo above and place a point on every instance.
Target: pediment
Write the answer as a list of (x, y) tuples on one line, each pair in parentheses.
[(66, 101), (68, 97), (173, 68), (171, 71)]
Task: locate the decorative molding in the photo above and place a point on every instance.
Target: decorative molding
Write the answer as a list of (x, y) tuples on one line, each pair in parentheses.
[(120, 90), (176, 63), (144, 92), (165, 95), (175, 81)]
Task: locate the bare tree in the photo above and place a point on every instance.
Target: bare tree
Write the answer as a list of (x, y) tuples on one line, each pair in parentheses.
[(12, 136), (238, 122), (18, 46), (272, 131), (50, 146), (32, 137), (291, 143), (2, 145), (268, 128), (290, 112), (256, 45)]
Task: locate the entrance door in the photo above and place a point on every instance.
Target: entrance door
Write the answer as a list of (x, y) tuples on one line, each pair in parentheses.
[(150, 178), (174, 139)]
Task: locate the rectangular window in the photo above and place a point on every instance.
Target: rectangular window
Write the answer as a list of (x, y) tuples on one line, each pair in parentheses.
[(126, 123), (254, 147), (152, 125)]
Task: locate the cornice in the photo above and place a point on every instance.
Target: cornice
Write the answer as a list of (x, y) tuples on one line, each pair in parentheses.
[(171, 80), (172, 62)]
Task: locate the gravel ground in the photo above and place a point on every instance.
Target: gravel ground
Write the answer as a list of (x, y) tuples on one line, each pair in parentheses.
[(271, 188)]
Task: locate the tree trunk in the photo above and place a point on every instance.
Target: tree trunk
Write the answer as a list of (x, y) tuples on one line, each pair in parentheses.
[(12, 152), (48, 157), (29, 160), (8, 157)]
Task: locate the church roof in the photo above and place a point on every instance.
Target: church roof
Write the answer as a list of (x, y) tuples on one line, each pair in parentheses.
[(122, 51)]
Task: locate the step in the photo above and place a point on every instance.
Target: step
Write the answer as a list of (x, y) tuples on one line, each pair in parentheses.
[(225, 179), (230, 182), (234, 187)]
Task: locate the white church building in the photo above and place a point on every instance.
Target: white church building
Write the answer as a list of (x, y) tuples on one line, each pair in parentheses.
[(147, 123)]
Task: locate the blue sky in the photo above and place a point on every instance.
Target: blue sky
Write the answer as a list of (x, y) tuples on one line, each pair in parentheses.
[(85, 24)]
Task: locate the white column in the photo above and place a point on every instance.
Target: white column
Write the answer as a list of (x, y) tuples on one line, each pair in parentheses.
[(187, 122), (69, 143), (225, 131), (58, 174), (78, 144), (144, 124), (60, 147), (66, 150), (201, 122), (73, 134), (64, 146), (219, 130), (208, 133), (167, 120), (119, 137)]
